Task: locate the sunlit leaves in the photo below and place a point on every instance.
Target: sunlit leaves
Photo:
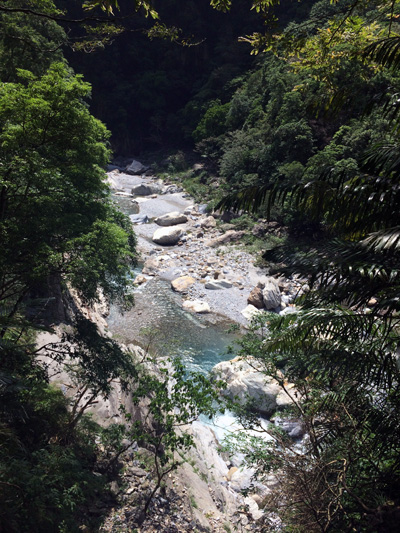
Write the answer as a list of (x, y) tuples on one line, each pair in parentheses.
[(111, 7), (52, 153), (221, 5)]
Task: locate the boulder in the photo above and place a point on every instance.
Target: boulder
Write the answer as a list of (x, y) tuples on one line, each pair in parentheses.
[(218, 284), (135, 167), (190, 210), (253, 508), (227, 216), (208, 222), (248, 383), (231, 471), (294, 428), (271, 294), (139, 279), (229, 236), (284, 399), (151, 266), (171, 189), (171, 219), (250, 312), (196, 306), (259, 230), (256, 298), (241, 478), (202, 209), (167, 236), (139, 219), (182, 283), (146, 190)]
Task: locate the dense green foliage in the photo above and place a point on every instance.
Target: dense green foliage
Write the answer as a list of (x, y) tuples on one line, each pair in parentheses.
[(306, 127), (340, 350), (58, 228)]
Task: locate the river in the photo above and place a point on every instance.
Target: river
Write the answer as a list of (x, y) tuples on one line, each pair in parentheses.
[(158, 322)]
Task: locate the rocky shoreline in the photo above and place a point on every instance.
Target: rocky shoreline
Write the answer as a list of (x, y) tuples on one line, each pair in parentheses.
[(203, 258), (212, 276)]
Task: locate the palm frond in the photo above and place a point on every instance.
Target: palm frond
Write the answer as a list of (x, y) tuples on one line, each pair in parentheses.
[(346, 273), (385, 240), (337, 342), (249, 199), (385, 51), (382, 157)]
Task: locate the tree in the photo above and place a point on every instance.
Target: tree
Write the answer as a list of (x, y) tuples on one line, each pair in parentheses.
[(173, 399), (27, 42), (58, 228), (55, 209)]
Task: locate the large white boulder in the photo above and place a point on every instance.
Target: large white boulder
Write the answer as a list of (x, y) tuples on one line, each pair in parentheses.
[(250, 312), (167, 236), (271, 294), (182, 283), (196, 306), (247, 383), (171, 219)]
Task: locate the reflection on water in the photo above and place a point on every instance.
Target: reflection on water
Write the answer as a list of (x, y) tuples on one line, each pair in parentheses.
[(126, 205), (159, 321)]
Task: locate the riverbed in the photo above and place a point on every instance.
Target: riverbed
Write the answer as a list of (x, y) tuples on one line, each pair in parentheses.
[(158, 321)]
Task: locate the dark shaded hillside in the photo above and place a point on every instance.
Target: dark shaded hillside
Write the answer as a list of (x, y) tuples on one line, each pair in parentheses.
[(141, 87)]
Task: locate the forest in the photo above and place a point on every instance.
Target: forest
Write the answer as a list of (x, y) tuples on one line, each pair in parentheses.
[(291, 112)]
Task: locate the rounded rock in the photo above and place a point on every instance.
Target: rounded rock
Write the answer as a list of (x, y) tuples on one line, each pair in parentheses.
[(167, 236)]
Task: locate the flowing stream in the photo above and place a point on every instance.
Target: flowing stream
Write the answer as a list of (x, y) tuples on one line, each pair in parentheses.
[(158, 322)]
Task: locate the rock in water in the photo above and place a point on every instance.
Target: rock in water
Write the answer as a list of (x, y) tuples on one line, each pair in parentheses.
[(182, 283), (139, 279), (293, 428), (167, 236), (271, 294), (247, 383), (196, 306), (171, 219)]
